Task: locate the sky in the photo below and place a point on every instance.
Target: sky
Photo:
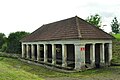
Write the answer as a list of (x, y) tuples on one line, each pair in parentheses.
[(28, 15)]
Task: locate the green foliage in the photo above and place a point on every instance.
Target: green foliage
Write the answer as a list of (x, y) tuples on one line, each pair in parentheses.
[(115, 25), (2, 39), (117, 36), (116, 51), (4, 47), (13, 45), (95, 20)]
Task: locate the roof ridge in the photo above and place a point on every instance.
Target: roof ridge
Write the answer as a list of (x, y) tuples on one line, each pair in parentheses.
[(78, 29)]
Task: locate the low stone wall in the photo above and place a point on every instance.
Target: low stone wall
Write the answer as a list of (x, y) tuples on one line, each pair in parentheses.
[(10, 55)]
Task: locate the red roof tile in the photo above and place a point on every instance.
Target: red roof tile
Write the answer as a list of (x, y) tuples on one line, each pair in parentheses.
[(72, 28)]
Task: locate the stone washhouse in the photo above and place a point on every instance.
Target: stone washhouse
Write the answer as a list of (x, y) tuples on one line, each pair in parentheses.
[(72, 44)]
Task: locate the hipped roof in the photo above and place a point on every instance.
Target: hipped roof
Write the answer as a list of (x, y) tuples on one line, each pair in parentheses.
[(71, 28)]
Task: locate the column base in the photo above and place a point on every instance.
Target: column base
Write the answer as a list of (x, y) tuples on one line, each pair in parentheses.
[(102, 64), (53, 62), (45, 61), (93, 65), (38, 59), (64, 65), (80, 66)]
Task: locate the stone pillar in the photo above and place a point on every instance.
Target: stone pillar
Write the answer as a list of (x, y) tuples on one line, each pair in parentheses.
[(27, 50), (23, 51), (53, 54), (102, 55), (45, 53), (64, 55), (79, 56), (32, 51), (110, 52), (38, 52), (92, 55)]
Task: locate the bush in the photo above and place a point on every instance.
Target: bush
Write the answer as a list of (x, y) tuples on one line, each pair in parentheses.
[(14, 45), (116, 52), (4, 47), (9, 55)]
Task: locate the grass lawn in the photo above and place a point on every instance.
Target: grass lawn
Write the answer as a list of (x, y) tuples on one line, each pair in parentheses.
[(117, 36), (14, 69)]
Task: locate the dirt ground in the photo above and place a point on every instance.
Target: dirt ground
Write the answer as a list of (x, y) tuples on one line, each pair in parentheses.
[(111, 73), (88, 78)]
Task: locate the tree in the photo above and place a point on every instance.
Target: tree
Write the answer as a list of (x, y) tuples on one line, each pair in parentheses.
[(115, 25), (2, 39), (95, 20), (13, 45)]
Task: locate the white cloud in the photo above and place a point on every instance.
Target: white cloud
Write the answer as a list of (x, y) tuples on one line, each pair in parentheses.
[(28, 15)]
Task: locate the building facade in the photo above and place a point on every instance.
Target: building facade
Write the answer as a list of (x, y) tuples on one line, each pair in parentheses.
[(71, 44)]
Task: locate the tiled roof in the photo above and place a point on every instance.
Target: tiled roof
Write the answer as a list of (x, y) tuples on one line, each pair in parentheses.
[(71, 28)]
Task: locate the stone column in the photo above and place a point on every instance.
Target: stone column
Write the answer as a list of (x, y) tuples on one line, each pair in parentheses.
[(79, 56), (27, 50), (110, 52), (53, 54), (64, 55), (92, 55), (23, 51), (102, 55), (32, 51), (38, 52), (45, 53)]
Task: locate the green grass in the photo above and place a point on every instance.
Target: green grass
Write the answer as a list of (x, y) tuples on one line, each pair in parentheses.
[(117, 36), (14, 69)]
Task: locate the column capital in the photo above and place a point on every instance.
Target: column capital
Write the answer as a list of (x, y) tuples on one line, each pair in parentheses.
[(52, 44), (63, 44), (103, 43), (37, 44), (93, 43)]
